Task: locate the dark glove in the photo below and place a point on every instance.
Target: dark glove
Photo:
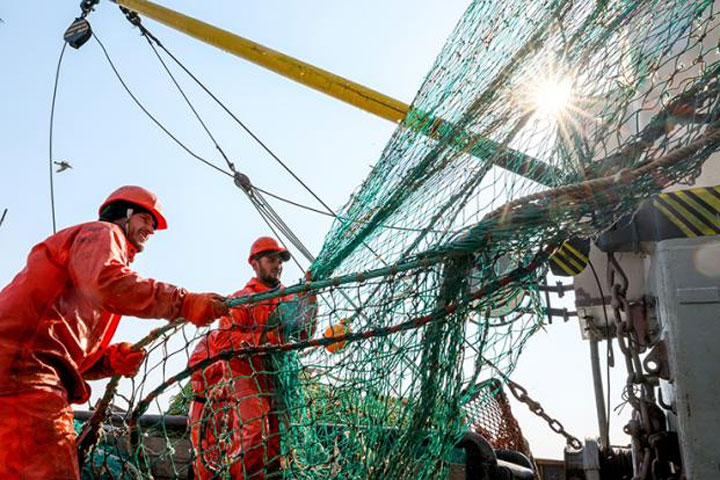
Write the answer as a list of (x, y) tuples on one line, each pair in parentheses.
[(296, 315), (201, 309), (124, 360)]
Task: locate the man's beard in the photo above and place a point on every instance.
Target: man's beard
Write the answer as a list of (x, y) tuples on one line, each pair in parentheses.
[(270, 281)]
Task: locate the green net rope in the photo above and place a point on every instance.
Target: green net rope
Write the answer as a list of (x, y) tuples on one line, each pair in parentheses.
[(426, 285)]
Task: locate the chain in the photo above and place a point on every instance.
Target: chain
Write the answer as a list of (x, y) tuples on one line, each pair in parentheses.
[(521, 394), (647, 426)]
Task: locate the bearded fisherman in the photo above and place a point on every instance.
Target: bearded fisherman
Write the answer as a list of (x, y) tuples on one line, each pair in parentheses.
[(236, 398)]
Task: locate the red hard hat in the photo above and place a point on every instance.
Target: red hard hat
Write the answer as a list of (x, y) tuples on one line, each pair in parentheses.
[(268, 245), (138, 196)]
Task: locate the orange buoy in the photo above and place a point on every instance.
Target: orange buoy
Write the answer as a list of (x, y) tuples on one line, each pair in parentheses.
[(335, 331)]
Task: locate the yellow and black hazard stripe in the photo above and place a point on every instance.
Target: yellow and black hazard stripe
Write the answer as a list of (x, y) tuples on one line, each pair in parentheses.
[(693, 213), (78, 27), (687, 213), (571, 258)]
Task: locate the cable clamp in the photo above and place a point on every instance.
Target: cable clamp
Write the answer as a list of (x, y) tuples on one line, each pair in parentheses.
[(243, 181), (131, 16)]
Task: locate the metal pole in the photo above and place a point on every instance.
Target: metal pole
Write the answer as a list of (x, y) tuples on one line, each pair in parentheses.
[(599, 394)]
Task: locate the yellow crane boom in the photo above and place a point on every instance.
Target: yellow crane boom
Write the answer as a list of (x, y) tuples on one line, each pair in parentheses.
[(346, 90), (309, 75)]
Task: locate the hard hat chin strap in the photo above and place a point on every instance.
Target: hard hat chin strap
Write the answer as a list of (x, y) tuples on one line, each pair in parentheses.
[(128, 213)]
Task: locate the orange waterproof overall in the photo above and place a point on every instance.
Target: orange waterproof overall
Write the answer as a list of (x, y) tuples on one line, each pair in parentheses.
[(236, 396), (57, 318)]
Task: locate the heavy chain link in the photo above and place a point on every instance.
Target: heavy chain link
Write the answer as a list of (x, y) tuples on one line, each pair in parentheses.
[(647, 426), (521, 394)]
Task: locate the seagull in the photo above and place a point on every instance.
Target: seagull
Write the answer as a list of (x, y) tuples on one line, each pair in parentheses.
[(63, 166)]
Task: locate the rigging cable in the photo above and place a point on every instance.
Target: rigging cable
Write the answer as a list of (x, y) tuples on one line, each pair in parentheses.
[(50, 140), (230, 165), (150, 115), (234, 117), (135, 20), (261, 205), (268, 214)]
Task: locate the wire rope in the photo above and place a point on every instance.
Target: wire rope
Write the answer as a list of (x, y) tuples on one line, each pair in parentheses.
[(149, 35), (150, 115), (50, 139)]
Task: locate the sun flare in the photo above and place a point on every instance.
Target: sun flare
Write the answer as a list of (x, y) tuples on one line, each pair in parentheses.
[(551, 97)]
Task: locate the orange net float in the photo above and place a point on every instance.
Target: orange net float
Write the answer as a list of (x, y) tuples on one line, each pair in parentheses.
[(340, 328)]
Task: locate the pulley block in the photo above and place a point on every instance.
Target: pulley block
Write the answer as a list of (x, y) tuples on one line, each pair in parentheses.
[(78, 33)]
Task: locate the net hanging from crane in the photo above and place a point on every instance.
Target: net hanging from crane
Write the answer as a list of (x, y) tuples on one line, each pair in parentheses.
[(539, 122)]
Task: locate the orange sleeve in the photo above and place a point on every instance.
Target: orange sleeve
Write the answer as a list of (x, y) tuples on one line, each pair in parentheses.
[(100, 369), (97, 268), (240, 318), (242, 327), (204, 378)]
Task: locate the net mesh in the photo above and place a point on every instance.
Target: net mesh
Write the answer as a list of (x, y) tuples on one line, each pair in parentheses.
[(490, 416), (539, 122)]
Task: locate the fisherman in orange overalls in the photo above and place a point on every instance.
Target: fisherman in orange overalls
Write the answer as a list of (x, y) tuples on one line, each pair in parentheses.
[(237, 395)]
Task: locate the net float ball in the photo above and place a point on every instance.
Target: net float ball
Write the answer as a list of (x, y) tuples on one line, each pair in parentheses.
[(335, 331)]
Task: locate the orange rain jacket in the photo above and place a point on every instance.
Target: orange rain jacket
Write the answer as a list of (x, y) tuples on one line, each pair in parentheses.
[(58, 315), (243, 405), (202, 426), (246, 327)]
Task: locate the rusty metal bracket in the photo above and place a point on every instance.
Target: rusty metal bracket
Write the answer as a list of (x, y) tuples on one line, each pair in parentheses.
[(656, 362)]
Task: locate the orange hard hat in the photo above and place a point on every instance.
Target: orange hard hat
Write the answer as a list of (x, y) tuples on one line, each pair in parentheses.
[(141, 197), (268, 245), (336, 330)]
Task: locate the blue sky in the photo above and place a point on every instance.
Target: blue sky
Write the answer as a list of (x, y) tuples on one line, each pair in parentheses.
[(388, 46)]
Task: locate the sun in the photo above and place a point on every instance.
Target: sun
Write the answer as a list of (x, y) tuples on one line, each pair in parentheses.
[(551, 97)]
